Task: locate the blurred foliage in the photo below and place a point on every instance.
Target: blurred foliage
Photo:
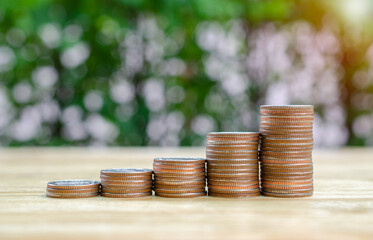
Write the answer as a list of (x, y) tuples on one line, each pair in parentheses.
[(92, 47)]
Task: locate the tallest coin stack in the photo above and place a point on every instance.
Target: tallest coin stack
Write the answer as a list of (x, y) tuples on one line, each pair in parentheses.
[(286, 150)]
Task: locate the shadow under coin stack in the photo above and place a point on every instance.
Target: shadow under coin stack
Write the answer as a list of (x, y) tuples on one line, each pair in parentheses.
[(126, 182), (232, 164), (73, 189), (286, 150), (179, 177)]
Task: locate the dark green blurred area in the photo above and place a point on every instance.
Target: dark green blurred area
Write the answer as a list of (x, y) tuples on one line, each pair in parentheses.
[(167, 72)]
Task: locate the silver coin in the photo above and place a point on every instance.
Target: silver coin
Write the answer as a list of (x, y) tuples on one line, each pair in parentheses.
[(71, 195), (285, 128), (288, 136), (227, 185), (103, 181), (235, 165), (306, 113), (286, 191), (289, 114), (127, 195), (285, 124), (294, 165), (288, 195), (127, 170), (290, 139), (294, 158), (231, 156), (284, 172), (180, 173), (232, 151), (286, 133), (179, 180), (231, 159), (201, 164), (295, 173), (233, 170), (265, 112), (181, 195), (270, 144), (232, 174), (254, 134), (308, 179), (269, 148), (299, 152), (73, 182), (231, 142), (287, 117), (179, 159), (286, 154), (183, 182), (286, 148), (125, 187), (231, 145), (227, 181), (284, 107), (169, 165), (196, 169), (175, 190), (248, 186), (304, 177), (212, 189), (296, 185)]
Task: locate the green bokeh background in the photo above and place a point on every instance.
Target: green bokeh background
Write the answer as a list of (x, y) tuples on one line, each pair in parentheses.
[(105, 26)]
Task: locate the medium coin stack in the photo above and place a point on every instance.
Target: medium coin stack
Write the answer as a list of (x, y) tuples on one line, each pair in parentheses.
[(232, 164), (73, 189), (126, 182), (286, 150), (179, 177)]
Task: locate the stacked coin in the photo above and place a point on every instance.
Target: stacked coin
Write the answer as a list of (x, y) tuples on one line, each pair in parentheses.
[(73, 189), (232, 164), (286, 150), (179, 177), (126, 182)]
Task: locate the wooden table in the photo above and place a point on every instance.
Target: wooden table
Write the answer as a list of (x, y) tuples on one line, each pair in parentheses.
[(341, 208)]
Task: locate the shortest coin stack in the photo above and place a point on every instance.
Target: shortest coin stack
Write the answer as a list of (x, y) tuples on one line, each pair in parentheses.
[(73, 189), (126, 182), (179, 177)]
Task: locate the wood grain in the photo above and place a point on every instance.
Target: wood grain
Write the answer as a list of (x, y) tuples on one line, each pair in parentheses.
[(341, 208)]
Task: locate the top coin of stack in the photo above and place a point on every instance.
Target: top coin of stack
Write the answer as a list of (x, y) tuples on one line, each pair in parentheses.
[(286, 150), (179, 177), (126, 182), (232, 164), (73, 189)]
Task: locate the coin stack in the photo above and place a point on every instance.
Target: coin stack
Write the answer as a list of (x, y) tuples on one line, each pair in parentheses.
[(286, 150), (126, 182), (179, 177), (232, 164), (73, 189)]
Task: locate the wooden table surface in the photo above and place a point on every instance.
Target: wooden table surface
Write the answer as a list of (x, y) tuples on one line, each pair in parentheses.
[(341, 208)]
